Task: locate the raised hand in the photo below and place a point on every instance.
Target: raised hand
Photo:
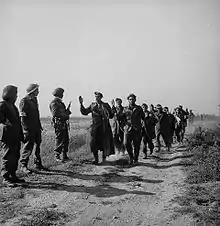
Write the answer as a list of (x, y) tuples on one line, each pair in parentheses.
[(80, 99)]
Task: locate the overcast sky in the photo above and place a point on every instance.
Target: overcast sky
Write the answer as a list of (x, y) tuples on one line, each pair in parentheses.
[(165, 51)]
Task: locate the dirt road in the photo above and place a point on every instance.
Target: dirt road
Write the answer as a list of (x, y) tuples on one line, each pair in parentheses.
[(110, 194)]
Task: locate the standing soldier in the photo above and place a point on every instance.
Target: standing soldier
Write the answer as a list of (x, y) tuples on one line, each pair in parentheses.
[(118, 125), (100, 137), (191, 117), (133, 128), (30, 120), (162, 128), (11, 137), (148, 130), (152, 109), (60, 117)]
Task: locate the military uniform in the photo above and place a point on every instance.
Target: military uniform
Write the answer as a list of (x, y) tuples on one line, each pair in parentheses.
[(11, 138), (163, 128), (30, 120), (60, 117), (148, 132), (133, 130), (100, 133), (180, 124), (118, 127)]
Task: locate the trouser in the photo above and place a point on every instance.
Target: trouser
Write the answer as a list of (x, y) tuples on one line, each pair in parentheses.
[(30, 142), (165, 139), (118, 140), (62, 141), (147, 142), (10, 158), (135, 137)]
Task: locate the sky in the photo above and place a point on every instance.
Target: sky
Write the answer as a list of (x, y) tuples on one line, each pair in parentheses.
[(163, 51)]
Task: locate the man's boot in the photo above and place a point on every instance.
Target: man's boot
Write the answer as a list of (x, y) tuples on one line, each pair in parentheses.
[(65, 157), (7, 181), (15, 179), (25, 170), (96, 161), (38, 164)]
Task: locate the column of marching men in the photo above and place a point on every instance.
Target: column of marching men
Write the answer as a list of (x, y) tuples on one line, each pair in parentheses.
[(132, 124)]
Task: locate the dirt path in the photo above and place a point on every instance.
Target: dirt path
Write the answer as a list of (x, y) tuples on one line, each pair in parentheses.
[(110, 194)]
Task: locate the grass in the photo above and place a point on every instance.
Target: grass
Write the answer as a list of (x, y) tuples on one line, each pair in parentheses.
[(12, 201), (201, 198)]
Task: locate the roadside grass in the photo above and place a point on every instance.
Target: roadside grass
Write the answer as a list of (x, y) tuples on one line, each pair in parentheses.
[(12, 200), (201, 197)]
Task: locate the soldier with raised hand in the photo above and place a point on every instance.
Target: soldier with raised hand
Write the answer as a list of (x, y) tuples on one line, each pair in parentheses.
[(11, 137), (100, 134), (60, 117), (118, 125), (32, 128), (134, 115)]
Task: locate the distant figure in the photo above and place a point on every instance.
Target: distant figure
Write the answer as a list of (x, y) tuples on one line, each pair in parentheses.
[(148, 130), (118, 125), (172, 122), (30, 120), (162, 128), (191, 117), (11, 137), (152, 109), (134, 115), (60, 117), (100, 136)]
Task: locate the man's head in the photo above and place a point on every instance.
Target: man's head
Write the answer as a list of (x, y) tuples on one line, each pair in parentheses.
[(98, 96), (144, 107), (166, 109), (10, 93), (131, 99), (159, 108), (33, 89), (58, 92), (151, 107), (118, 102)]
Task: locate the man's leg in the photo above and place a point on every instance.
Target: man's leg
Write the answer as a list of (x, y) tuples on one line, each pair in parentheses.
[(137, 143), (158, 141), (128, 146), (144, 146), (66, 145), (25, 155), (59, 143), (151, 146)]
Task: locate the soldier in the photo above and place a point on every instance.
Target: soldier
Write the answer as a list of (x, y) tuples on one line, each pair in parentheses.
[(11, 137), (100, 136), (162, 128), (152, 109), (32, 128), (148, 130), (180, 123), (118, 125), (191, 117), (133, 128), (172, 122), (60, 117)]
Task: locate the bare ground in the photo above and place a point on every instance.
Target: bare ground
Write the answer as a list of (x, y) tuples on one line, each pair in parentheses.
[(110, 194)]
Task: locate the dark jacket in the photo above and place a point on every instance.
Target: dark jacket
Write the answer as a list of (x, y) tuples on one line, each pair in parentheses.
[(9, 117), (133, 118), (60, 114), (149, 123), (30, 117)]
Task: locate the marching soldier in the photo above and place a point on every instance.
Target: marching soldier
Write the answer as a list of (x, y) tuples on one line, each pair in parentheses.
[(118, 125), (60, 117), (32, 128), (100, 136), (162, 128), (133, 128), (148, 130), (11, 137), (172, 122)]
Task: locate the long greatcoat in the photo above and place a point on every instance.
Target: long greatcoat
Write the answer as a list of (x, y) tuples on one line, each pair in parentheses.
[(100, 133)]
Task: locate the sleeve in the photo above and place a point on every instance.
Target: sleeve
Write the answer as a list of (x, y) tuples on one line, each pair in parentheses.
[(2, 113), (85, 111), (111, 113), (23, 107)]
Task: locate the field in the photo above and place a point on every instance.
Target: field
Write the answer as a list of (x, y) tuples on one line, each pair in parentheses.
[(77, 193)]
